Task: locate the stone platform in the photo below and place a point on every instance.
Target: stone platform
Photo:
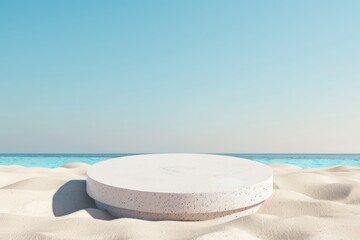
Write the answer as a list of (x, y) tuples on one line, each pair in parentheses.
[(188, 187)]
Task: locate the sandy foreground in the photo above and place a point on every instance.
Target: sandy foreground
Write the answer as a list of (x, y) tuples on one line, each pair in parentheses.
[(41, 203)]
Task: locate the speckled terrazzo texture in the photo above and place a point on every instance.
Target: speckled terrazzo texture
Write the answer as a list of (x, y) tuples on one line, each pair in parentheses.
[(179, 206), (179, 203), (227, 215)]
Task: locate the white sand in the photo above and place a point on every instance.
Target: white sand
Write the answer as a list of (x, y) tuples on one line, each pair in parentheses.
[(40, 203)]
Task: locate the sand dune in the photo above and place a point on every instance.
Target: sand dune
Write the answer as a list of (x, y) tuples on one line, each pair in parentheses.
[(40, 203)]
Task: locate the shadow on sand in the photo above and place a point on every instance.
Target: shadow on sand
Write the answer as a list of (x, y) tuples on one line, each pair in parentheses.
[(72, 197)]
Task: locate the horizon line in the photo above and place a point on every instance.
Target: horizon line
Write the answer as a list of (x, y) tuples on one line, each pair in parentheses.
[(98, 153)]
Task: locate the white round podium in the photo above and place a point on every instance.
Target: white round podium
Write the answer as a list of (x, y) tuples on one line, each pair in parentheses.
[(187, 187)]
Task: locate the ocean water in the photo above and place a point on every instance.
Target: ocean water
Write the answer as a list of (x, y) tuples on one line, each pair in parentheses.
[(301, 160)]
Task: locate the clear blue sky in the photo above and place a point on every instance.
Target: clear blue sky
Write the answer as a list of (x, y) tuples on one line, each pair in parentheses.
[(180, 76)]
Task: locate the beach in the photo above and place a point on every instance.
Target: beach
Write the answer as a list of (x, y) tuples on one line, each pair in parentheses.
[(51, 203)]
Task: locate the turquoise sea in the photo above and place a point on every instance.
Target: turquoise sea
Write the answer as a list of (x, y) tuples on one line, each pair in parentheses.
[(301, 160)]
